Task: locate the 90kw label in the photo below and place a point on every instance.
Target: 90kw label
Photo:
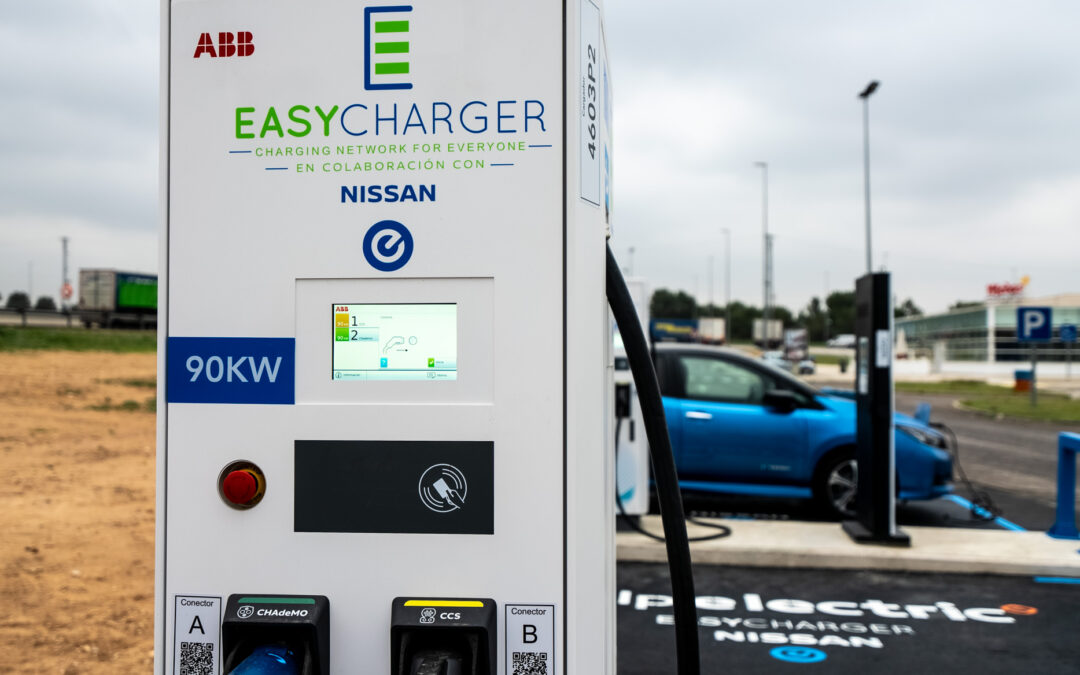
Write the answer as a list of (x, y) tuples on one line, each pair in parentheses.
[(230, 370)]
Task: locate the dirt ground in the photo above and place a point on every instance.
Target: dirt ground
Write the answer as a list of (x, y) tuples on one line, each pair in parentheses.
[(77, 505)]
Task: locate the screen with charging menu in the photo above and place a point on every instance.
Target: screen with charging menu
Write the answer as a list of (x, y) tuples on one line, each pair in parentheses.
[(395, 342)]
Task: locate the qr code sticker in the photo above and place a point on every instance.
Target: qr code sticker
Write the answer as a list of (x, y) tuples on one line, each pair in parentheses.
[(530, 663), (197, 658)]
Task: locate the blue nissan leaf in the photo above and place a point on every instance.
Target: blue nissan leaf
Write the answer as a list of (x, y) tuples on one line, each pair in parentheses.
[(740, 426)]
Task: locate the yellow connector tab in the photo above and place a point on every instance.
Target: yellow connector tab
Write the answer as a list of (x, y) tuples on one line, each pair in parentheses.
[(443, 603)]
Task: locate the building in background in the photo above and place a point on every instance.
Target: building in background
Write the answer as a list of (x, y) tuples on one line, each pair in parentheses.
[(986, 333)]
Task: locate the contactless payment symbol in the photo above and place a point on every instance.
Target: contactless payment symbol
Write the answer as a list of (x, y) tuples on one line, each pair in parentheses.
[(388, 245), (443, 488)]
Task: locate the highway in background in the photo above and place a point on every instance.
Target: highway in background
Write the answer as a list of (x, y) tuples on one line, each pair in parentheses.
[(11, 317)]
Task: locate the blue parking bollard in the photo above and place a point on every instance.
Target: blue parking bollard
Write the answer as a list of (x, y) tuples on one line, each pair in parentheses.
[(1065, 519)]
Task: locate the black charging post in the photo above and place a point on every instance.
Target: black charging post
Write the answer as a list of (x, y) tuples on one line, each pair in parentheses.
[(875, 501)]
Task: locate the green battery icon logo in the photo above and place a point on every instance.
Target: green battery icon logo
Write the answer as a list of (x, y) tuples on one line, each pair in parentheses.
[(386, 42)]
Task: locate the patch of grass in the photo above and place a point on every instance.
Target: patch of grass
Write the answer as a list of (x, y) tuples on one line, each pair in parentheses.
[(969, 387), (147, 382), (1050, 407), (831, 359), (996, 400), (127, 406), (14, 338)]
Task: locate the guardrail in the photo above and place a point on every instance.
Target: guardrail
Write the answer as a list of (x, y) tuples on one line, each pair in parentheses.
[(1065, 518), (32, 317)]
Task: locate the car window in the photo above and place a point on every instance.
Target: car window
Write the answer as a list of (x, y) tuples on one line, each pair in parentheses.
[(718, 380)]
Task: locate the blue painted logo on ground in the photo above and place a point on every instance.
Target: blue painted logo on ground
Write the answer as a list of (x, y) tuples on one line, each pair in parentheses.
[(230, 370), (797, 654), (388, 245)]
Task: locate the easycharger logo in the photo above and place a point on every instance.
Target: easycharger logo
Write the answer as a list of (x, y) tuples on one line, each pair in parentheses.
[(388, 65), (475, 117), (386, 47), (240, 43)]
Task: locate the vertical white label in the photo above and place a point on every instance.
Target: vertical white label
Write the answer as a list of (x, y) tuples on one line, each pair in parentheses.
[(590, 102), (530, 639), (862, 367), (883, 353), (197, 635)]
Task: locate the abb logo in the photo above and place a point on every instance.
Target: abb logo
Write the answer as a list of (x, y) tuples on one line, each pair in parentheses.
[(239, 43)]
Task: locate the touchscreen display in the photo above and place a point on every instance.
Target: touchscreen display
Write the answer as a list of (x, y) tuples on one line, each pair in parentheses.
[(395, 342)]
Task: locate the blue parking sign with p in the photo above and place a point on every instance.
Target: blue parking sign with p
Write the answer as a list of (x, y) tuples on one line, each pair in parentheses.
[(1033, 324)]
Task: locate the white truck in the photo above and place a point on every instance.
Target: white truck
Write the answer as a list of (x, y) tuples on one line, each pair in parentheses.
[(712, 331), (775, 332)]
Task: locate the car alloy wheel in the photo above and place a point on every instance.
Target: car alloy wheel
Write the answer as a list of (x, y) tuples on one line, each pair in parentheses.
[(841, 486)]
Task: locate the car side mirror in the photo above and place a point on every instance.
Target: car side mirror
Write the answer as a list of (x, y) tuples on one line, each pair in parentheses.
[(781, 400)]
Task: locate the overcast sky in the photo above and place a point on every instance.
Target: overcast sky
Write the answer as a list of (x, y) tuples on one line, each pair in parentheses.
[(974, 142)]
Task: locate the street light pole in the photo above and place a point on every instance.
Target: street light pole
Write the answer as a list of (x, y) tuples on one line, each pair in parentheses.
[(825, 305), (865, 96), (764, 250), (727, 285), (712, 259)]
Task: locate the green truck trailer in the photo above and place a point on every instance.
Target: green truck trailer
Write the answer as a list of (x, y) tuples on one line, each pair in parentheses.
[(114, 299)]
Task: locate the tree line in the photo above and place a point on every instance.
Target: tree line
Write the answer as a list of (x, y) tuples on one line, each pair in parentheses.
[(822, 320), (20, 301)]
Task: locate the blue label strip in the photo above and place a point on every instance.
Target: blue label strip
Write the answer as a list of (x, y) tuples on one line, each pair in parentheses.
[(230, 370)]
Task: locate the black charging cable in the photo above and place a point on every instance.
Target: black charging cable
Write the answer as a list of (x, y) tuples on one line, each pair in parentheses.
[(663, 462), (982, 504), (724, 530)]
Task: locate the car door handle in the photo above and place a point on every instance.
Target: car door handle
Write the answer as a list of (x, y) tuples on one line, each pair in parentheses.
[(696, 415)]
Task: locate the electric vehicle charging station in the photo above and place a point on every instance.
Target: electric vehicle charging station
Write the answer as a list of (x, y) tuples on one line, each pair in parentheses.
[(875, 501), (384, 430), (631, 445)]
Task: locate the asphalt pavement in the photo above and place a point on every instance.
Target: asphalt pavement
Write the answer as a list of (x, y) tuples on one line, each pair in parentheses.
[(763, 620), (1014, 461)]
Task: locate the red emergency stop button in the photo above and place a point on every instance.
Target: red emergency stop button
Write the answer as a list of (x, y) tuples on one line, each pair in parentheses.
[(241, 484), (239, 487)]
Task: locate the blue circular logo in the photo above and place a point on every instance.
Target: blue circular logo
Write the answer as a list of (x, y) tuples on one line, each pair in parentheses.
[(797, 654), (388, 245)]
